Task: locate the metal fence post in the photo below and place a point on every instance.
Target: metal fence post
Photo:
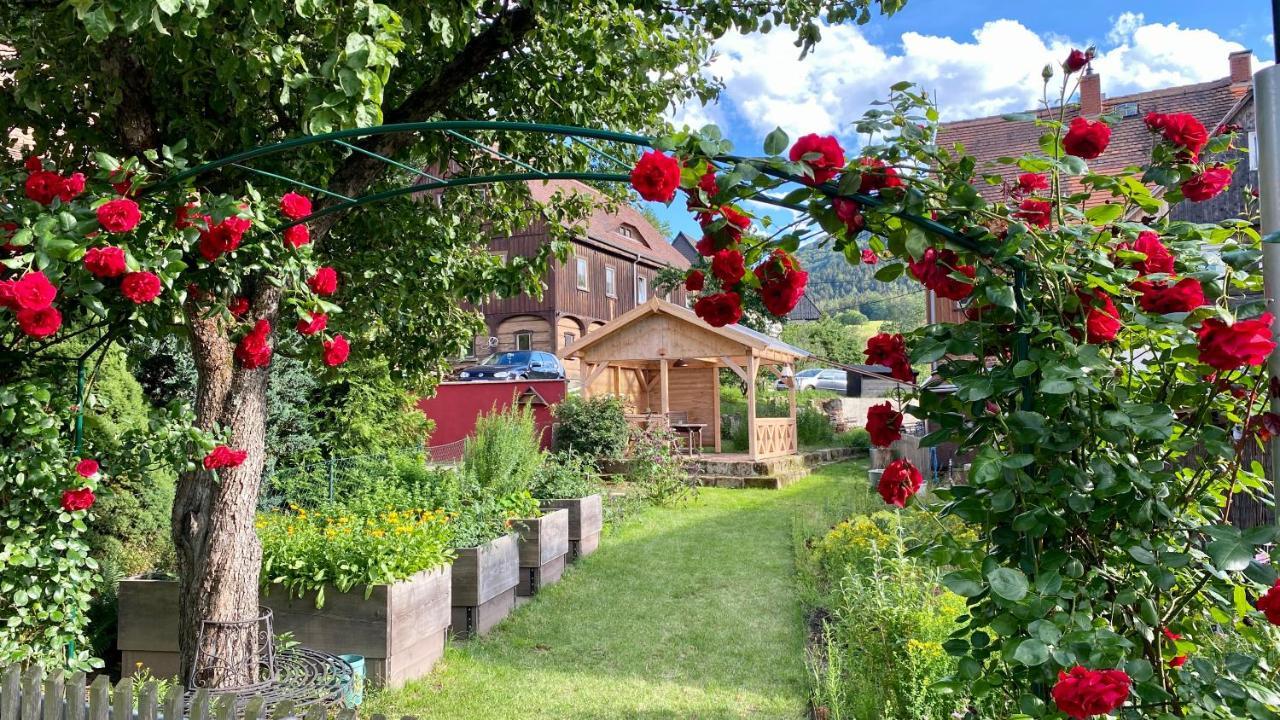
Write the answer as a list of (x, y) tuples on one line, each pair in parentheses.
[(1267, 88)]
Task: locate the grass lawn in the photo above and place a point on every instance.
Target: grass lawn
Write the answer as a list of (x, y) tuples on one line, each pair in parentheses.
[(687, 612)]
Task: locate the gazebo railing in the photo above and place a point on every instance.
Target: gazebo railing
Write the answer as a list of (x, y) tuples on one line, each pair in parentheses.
[(775, 437)]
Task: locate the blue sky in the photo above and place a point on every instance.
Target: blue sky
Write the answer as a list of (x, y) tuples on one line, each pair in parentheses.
[(979, 57)]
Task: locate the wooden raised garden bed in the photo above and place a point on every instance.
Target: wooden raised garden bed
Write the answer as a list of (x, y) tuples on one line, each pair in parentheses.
[(586, 520), (544, 545), (484, 585), (399, 629)]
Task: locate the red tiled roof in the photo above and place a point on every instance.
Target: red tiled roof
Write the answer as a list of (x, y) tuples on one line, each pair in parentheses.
[(604, 225), (989, 138)]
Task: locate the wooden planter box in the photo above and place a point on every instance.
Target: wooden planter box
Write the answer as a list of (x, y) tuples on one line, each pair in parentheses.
[(399, 629), (544, 544), (484, 585), (586, 520)]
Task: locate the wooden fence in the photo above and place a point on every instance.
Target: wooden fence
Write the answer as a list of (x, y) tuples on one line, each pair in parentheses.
[(30, 694)]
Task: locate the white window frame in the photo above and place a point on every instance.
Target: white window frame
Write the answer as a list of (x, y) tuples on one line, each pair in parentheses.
[(583, 270), (642, 289), (569, 338), (527, 335), (610, 281)]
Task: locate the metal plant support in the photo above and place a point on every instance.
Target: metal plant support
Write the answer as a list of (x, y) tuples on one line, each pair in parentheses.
[(1266, 84), (212, 664)]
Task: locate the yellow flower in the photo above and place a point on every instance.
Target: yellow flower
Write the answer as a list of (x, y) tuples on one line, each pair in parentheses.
[(377, 533)]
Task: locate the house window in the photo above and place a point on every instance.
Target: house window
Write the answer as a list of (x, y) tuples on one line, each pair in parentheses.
[(626, 231), (583, 278), (611, 282), (642, 289), (524, 340), (569, 338)]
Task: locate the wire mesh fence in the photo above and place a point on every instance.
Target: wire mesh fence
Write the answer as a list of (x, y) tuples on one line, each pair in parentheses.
[(337, 479)]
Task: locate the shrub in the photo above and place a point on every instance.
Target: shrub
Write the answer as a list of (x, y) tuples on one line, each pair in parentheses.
[(595, 427), (656, 469), (813, 428), (498, 464), (350, 546), (402, 472), (565, 475)]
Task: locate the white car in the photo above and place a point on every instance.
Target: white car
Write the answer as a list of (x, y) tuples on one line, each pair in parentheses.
[(818, 378), (805, 380)]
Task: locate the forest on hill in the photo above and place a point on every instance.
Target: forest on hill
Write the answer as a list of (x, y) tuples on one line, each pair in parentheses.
[(837, 287)]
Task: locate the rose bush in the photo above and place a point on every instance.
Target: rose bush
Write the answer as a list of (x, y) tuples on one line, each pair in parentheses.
[(78, 260), (1108, 384)]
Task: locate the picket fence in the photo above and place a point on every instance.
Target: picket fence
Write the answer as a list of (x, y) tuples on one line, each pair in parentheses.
[(29, 694)]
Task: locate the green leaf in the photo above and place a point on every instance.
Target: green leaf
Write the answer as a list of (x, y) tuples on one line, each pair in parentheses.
[(889, 273), (775, 142), (964, 584), (1031, 652), (1230, 554), (1103, 214), (1002, 296), (1008, 583)]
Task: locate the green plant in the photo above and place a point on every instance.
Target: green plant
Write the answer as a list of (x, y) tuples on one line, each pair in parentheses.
[(657, 470), (595, 427), (347, 547), (565, 474), (813, 428), (498, 467)]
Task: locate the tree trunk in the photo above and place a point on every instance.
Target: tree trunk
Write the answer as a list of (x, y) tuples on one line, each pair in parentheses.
[(219, 557)]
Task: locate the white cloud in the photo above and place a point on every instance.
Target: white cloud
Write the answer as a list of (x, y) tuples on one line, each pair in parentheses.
[(995, 70)]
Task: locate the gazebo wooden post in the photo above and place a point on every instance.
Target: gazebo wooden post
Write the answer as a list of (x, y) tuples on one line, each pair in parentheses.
[(715, 405), (664, 387), (753, 366), (790, 371)]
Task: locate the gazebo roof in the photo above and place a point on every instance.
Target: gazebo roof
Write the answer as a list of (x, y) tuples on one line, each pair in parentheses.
[(750, 341)]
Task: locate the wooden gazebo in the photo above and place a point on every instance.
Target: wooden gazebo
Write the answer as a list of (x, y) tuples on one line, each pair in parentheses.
[(665, 361)]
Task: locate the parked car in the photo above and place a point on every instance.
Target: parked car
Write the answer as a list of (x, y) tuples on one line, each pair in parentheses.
[(516, 365), (818, 378)]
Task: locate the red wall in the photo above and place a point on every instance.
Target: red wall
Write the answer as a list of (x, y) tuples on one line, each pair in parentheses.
[(456, 405)]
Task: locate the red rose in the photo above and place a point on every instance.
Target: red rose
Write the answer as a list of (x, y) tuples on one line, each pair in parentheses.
[(297, 235), (33, 163), (1162, 298), (336, 351), (884, 424), (119, 216), (222, 238), (43, 186), (182, 216), (821, 154), (87, 468), (238, 306), (934, 269), (1086, 139), (694, 281), (1083, 693), (76, 500), (1227, 347), (1178, 661), (140, 287), (890, 351), (656, 176), (324, 282), (1180, 129), (72, 185), (1269, 604), (899, 481), (735, 223), (728, 266), (1207, 184), (1102, 319), (39, 323), (6, 294), (706, 247), (254, 349), (869, 256), (1036, 212), (782, 282), (877, 176), (104, 262), (314, 323), (224, 457), (719, 309), (1077, 59), (1158, 260), (1031, 182), (850, 213), (33, 291), (295, 206)]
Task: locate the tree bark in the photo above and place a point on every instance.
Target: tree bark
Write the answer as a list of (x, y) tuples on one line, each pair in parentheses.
[(219, 556)]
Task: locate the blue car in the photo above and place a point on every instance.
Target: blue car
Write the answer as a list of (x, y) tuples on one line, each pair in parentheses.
[(516, 365)]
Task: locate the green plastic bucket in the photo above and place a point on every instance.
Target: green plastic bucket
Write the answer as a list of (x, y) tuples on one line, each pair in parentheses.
[(355, 691)]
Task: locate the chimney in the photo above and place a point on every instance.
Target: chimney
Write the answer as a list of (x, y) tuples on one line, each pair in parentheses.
[(1241, 64), (1090, 94)]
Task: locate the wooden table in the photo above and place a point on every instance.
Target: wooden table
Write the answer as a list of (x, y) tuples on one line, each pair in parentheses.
[(690, 431)]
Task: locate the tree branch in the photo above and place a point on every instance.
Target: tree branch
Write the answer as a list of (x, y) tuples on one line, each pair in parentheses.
[(359, 171)]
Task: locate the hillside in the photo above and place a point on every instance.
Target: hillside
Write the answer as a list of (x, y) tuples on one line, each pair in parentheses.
[(836, 286)]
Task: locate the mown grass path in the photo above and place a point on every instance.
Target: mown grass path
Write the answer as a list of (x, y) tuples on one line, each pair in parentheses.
[(686, 612)]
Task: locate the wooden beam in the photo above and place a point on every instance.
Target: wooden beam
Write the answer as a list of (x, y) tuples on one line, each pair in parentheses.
[(753, 367), (593, 372), (666, 390), (715, 406), (735, 367), (791, 394)]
